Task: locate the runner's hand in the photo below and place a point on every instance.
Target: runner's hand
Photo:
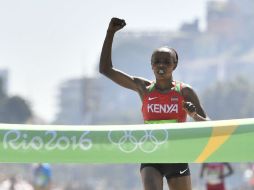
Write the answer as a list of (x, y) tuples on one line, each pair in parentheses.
[(190, 108), (116, 24)]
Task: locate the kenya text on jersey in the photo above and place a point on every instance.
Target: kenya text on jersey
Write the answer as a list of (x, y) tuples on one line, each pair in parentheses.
[(162, 108)]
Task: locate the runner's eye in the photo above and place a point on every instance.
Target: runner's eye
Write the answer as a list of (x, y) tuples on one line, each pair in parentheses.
[(163, 62)]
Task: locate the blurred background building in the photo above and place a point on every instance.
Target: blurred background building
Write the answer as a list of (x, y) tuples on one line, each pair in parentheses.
[(78, 101)]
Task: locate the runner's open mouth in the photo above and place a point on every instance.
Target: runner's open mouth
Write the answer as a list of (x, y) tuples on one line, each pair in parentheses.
[(161, 71)]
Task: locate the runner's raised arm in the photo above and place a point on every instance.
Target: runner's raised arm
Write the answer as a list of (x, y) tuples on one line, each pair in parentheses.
[(106, 66)]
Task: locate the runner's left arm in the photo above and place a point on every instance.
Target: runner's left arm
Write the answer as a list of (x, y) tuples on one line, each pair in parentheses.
[(229, 171), (192, 105)]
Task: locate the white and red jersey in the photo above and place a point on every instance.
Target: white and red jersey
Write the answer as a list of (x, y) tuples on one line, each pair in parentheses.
[(213, 173), (164, 106)]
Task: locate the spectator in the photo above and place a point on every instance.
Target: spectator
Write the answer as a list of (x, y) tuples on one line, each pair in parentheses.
[(215, 174), (42, 177), (14, 183)]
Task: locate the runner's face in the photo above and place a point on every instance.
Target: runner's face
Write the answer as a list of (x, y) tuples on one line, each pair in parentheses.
[(163, 65)]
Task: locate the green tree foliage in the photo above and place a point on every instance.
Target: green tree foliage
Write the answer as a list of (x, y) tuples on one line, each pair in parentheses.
[(13, 109), (230, 100)]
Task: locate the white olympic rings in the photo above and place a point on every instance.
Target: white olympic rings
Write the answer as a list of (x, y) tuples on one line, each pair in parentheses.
[(147, 142)]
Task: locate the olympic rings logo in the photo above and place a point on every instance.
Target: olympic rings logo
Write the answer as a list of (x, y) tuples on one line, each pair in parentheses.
[(146, 141)]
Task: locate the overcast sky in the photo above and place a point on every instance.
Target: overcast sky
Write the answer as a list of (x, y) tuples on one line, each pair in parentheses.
[(44, 42)]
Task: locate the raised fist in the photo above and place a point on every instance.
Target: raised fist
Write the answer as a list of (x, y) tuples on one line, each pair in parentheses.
[(116, 24)]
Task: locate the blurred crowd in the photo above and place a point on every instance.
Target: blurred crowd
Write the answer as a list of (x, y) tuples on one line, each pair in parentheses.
[(41, 179), (208, 176)]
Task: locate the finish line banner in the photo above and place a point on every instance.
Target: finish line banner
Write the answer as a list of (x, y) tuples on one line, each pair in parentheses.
[(192, 142)]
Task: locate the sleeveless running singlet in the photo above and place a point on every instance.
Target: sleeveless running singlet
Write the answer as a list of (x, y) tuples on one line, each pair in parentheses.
[(164, 108), (214, 171)]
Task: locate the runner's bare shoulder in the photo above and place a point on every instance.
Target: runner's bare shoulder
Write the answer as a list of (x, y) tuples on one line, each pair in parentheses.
[(142, 83)]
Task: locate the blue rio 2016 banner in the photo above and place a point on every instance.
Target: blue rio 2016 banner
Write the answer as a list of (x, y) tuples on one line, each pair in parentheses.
[(193, 142)]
